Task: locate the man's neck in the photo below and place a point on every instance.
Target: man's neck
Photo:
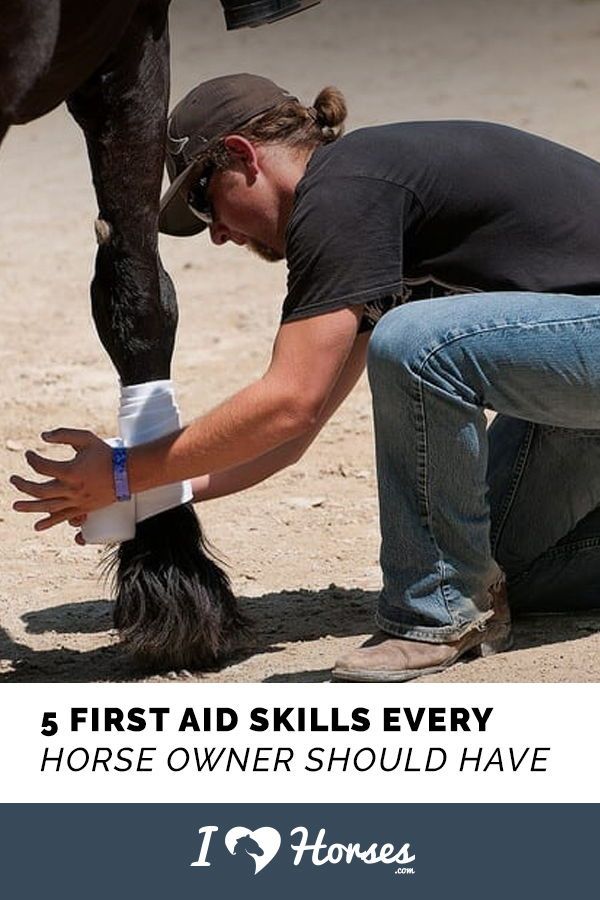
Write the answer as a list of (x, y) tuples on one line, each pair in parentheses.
[(288, 167)]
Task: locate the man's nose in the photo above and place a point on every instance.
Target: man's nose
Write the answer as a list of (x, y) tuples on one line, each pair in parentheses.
[(219, 234)]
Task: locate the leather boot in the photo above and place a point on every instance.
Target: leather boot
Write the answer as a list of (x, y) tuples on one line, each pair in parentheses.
[(385, 658)]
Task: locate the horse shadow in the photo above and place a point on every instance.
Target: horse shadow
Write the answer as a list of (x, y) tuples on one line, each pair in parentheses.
[(277, 619)]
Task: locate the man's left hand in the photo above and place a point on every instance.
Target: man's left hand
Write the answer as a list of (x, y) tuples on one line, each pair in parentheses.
[(77, 487)]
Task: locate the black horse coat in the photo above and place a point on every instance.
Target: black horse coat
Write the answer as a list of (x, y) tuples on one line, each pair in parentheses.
[(49, 48), (109, 60)]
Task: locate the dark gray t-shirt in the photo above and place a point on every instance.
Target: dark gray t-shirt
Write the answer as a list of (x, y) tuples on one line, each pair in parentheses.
[(421, 209)]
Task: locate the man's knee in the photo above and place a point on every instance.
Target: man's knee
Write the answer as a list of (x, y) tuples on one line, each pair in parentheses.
[(427, 342), (414, 336), (399, 340)]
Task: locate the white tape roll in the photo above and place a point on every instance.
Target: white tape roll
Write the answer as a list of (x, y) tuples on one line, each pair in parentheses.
[(147, 411)]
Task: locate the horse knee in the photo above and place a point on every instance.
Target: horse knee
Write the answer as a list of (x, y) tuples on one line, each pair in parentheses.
[(104, 232)]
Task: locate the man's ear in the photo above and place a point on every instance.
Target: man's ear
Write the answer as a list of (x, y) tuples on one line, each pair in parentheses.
[(244, 152)]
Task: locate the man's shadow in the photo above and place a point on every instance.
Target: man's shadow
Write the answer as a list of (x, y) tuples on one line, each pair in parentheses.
[(22, 663), (278, 618)]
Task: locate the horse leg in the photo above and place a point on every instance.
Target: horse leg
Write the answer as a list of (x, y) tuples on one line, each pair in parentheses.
[(174, 605)]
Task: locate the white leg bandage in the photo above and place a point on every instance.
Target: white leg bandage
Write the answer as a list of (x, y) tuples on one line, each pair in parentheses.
[(147, 411)]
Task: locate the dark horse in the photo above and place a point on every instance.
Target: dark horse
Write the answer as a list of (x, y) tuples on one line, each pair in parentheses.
[(249, 846), (109, 61)]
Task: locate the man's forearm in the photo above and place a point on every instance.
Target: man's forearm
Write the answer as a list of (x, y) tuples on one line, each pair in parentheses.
[(248, 425), (238, 478), (246, 475)]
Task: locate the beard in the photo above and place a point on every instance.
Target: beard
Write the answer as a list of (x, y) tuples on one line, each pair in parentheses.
[(264, 251)]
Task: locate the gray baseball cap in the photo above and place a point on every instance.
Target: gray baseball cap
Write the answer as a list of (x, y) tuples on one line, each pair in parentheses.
[(210, 111)]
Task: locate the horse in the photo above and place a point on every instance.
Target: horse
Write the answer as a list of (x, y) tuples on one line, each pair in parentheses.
[(248, 845), (109, 61)]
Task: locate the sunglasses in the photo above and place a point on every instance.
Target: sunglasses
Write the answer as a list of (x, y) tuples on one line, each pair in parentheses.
[(197, 199)]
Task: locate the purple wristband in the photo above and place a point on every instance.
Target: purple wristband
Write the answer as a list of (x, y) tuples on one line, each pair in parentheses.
[(119, 468)]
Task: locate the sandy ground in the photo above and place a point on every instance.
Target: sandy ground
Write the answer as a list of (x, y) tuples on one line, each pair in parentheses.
[(301, 549)]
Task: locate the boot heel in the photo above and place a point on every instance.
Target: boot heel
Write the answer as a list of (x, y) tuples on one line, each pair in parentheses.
[(498, 641)]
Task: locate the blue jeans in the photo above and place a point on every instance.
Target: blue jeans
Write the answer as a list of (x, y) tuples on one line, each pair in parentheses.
[(460, 504)]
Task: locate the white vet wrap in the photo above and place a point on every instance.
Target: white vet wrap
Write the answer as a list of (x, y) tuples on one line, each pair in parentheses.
[(111, 524), (148, 411)]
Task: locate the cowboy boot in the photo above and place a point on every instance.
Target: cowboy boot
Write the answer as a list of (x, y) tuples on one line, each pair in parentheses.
[(385, 658)]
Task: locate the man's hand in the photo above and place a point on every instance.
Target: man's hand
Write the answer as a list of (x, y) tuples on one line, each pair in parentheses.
[(77, 486)]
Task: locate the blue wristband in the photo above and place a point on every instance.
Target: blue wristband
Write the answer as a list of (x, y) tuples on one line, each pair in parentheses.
[(119, 468)]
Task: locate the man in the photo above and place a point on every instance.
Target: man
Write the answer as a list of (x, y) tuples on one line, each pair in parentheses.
[(467, 216)]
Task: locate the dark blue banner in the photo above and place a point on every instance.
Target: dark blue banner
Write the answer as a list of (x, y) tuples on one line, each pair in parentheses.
[(274, 851)]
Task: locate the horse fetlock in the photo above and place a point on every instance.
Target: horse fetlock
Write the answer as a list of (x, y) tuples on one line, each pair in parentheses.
[(174, 605)]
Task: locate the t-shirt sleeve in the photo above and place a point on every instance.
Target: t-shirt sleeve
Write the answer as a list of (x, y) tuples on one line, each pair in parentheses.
[(345, 244)]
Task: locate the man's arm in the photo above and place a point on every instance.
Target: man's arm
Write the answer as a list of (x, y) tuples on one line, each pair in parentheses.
[(286, 403), (246, 475), (282, 406)]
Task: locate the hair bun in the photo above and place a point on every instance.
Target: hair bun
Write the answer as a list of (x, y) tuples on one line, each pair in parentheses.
[(330, 111)]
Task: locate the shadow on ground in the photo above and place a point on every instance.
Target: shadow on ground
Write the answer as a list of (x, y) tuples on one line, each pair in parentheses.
[(105, 663), (279, 618), (528, 632), (86, 617)]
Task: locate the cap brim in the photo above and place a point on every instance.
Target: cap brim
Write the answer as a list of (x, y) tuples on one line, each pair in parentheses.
[(175, 216)]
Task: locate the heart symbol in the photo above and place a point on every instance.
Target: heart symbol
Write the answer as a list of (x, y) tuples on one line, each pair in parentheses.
[(261, 845)]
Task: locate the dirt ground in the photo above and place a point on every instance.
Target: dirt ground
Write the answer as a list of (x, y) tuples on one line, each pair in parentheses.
[(302, 548)]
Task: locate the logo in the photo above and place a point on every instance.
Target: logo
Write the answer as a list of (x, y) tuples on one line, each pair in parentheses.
[(262, 845)]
